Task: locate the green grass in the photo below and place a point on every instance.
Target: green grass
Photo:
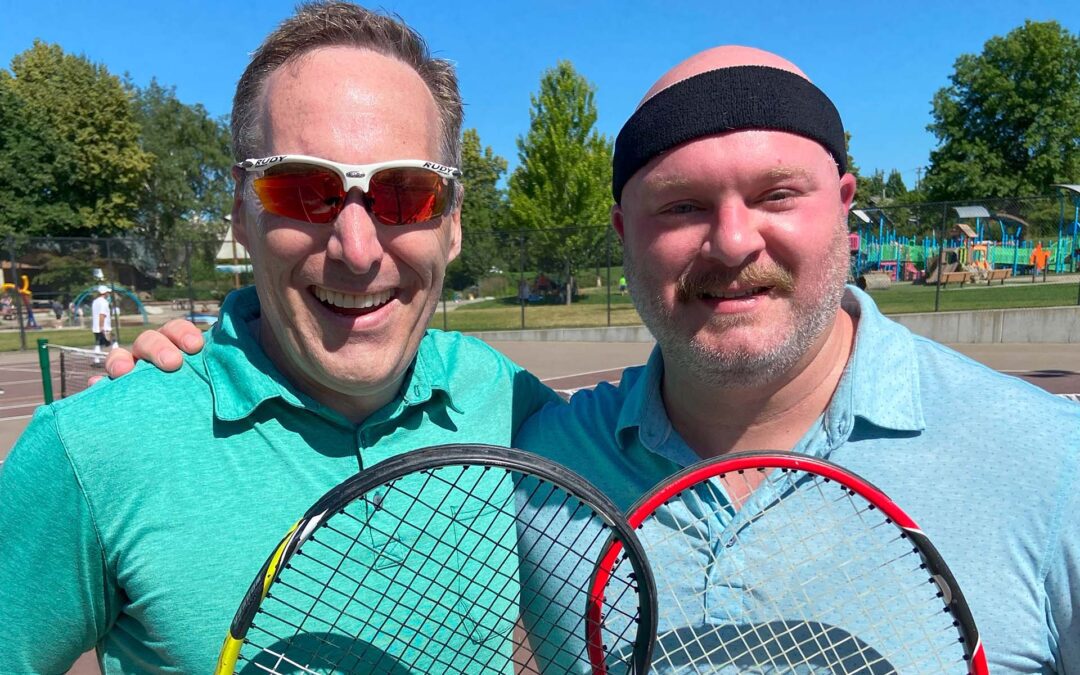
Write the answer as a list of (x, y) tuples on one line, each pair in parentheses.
[(68, 337), (591, 310), (906, 298)]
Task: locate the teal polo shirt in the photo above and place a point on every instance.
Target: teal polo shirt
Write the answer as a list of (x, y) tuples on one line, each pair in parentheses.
[(134, 515), (988, 465)]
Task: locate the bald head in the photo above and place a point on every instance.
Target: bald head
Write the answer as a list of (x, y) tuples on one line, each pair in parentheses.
[(724, 56), (722, 90)]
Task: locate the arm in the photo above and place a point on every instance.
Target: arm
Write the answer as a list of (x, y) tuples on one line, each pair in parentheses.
[(1063, 585), (56, 601), (161, 348)]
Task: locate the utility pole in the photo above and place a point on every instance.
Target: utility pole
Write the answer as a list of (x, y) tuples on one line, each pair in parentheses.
[(918, 177)]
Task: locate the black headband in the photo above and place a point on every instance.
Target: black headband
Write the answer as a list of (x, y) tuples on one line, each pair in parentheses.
[(740, 97)]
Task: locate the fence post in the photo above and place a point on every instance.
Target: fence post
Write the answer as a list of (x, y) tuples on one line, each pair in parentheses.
[(46, 374), (16, 296), (114, 309), (522, 275), (941, 255), (607, 245), (190, 282)]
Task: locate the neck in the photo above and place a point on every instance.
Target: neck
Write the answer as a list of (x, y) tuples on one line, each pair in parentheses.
[(715, 420)]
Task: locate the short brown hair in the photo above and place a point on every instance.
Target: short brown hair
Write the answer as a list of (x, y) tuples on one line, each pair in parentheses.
[(335, 24)]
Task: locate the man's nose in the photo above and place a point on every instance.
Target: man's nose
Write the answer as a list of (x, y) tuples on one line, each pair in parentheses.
[(355, 237), (734, 235)]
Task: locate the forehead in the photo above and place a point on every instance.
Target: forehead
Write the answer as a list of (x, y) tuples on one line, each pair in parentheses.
[(738, 157), (349, 104)]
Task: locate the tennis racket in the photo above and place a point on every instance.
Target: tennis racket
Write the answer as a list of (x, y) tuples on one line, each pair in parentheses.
[(450, 559), (782, 563)]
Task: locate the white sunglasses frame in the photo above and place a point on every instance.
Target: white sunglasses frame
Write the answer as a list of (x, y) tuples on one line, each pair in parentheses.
[(357, 175)]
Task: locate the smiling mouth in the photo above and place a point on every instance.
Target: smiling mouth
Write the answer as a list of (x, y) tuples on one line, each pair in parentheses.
[(351, 304), (735, 295)]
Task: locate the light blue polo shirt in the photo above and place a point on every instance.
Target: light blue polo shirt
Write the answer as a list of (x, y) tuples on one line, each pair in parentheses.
[(986, 464), (134, 515)]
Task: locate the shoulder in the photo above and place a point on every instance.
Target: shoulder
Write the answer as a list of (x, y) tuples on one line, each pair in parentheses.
[(114, 414), (591, 416), (460, 352), (945, 373)]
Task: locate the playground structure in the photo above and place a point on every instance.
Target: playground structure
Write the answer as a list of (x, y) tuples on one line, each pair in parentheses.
[(978, 245), (21, 294), (85, 297)]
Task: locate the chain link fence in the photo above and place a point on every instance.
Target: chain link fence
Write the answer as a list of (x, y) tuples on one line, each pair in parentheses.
[(49, 284), (505, 279)]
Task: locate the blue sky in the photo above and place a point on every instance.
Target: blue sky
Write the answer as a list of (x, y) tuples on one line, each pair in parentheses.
[(880, 62)]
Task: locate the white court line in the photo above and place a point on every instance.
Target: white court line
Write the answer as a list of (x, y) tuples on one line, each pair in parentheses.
[(10, 382), (16, 417), (29, 401), (591, 372)]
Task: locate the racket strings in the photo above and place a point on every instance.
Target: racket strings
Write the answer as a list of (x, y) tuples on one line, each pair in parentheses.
[(452, 586), (579, 539), (872, 569), (357, 583)]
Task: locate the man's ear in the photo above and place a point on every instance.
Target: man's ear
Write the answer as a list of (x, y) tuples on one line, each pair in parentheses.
[(847, 190), (617, 220), (239, 224), (455, 235)]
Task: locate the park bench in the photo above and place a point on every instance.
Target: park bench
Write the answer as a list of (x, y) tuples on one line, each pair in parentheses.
[(953, 277), (998, 275)]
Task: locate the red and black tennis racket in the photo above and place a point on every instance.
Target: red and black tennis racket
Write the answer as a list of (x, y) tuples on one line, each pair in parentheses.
[(782, 563), (453, 559)]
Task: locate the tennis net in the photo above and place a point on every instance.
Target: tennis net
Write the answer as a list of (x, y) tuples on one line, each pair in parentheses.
[(71, 367)]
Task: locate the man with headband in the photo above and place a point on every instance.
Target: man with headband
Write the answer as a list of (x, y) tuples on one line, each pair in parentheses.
[(731, 199)]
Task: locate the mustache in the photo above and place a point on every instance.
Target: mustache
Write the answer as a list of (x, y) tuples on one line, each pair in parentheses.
[(759, 274)]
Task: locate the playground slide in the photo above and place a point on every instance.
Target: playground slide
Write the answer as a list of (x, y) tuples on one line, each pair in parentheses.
[(932, 270)]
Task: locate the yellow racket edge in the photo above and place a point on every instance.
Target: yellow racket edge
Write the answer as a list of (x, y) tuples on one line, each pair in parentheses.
[(230, 649)]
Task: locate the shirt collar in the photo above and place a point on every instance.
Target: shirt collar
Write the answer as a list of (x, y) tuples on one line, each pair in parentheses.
[(643, 406), (242, 377), (880, 383)]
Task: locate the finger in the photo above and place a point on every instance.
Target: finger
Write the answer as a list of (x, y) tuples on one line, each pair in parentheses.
[(156, 348), (184, 335), (118, 362)]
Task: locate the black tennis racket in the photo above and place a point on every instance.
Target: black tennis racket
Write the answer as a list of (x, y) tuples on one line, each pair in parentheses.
[(451, 559), (782, 563)]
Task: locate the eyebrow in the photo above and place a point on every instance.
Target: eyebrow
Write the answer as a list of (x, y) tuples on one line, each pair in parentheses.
[(776, 173), (667, 181), (782, 172)]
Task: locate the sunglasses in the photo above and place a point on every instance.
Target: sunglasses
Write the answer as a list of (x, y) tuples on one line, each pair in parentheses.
[(398, 192)]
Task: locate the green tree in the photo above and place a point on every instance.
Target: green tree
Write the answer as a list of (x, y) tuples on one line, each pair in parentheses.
[(97, 164), (188, 189), (562, 185), (483, 213), (1009, 124), (894, 186), (30, 159)]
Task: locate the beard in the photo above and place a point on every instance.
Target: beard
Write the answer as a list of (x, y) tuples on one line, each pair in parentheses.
[(740, 367)]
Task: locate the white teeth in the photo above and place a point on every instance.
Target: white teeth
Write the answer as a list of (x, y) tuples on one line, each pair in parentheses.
[(351, 301), (731, 295)]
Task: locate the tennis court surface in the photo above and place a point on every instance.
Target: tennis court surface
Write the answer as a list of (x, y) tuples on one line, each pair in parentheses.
[(565, 366)]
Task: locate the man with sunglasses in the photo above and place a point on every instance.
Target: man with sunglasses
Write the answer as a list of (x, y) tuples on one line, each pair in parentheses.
[(734, 228), (140, 538)]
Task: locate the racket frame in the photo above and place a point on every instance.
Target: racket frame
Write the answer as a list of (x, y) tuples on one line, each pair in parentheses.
[(747, 461), (434, 457)]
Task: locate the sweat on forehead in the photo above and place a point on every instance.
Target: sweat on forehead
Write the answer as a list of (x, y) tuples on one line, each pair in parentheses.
[(723, 100)]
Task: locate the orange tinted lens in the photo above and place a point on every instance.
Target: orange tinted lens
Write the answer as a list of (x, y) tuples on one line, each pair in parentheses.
[(407, 195), (301, 191)]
